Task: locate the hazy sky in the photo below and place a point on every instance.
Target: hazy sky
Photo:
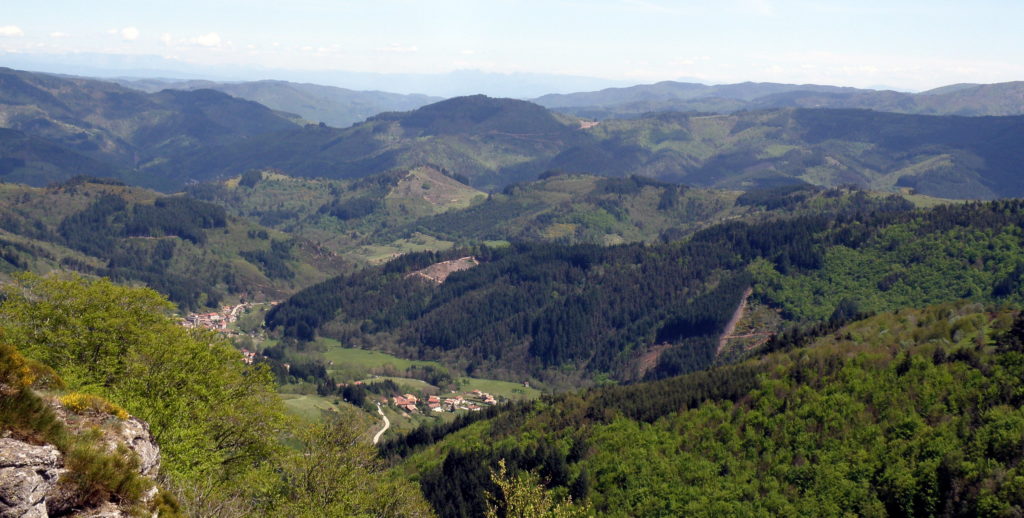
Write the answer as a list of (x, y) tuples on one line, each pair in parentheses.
[(907, 44)]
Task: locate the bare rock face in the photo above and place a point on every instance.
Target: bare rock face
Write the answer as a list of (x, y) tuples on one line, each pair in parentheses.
[(27, 474), (134, 433)]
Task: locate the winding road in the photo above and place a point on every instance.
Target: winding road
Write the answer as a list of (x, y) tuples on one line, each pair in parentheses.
[(387, 424)]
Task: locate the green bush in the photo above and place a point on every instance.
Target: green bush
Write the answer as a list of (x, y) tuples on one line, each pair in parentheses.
[(85, 403)]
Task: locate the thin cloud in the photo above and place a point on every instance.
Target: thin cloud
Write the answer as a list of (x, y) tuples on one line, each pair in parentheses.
[(208, 40), (645, 6), (758, 7), (11, 30), (399, 48), (130, 33)]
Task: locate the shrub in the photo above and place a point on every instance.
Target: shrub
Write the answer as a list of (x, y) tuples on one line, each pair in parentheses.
[(80, 403), (15, 372), (96, 475)]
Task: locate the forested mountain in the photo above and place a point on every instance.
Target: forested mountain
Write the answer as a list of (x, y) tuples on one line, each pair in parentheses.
[(552, 311), (908, 413), (403, 210), (172, 138), (188, 249), (493, 142), (634, 101), (339, 107), (675, 96), (121, 127), (490, 142)]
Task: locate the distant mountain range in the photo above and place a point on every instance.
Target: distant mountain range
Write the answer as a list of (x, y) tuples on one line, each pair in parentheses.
[(331, 105), (58, 127), (450, 84), (495, 142), (111, 127), (962, 99)]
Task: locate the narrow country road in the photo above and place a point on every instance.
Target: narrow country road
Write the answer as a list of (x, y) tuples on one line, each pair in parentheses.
[(387, 424)]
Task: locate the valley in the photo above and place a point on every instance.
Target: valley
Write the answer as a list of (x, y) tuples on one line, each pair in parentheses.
[(663, 300)]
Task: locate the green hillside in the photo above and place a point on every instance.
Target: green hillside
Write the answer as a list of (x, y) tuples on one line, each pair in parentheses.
[(338, 107), (188, 249), (173, 138), (422, 208), (123, 128), (564, 314), (493, 142), (908, 413)]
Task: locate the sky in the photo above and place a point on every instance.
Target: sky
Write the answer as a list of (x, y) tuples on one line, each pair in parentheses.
[(907, 45)]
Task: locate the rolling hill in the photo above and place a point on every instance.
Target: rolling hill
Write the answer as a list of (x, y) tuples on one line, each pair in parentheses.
[(173, 138), (123, 128), (339, 107), (495, 142), (966, 99), (563, 314), (915, 412), (188, 249)]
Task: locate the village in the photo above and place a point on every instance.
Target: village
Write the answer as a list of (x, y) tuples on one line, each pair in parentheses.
[(215, 321), (220, 320), (471, 401)]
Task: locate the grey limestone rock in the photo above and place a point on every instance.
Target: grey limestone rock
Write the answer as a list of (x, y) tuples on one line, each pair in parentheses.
[(27, 474)]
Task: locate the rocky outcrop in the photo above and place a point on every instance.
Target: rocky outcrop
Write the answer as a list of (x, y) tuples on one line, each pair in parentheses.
[(29, 474), (134, 433)]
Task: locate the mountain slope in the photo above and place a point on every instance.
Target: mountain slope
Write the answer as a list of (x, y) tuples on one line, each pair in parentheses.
[(172, 138), (968, 99), (912, 413), (562, 314), (339, 107), (495, 142), (488, 141), (122, 127), (185, 248)]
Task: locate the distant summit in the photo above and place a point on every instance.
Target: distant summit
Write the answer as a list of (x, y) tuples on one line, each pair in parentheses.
[(960, 99), (339, 107), (479, 113)]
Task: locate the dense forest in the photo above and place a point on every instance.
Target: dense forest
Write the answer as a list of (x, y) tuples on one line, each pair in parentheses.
[(532, 309), (908, 413)]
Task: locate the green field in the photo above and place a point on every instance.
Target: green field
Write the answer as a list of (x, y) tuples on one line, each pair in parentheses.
[(416, 243), (403, 422), (308, 407), (505, 389), (367, 359), (410, 384)]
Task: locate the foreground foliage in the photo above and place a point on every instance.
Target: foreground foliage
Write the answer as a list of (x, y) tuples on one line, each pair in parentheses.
[(220, 425), (95, 475)]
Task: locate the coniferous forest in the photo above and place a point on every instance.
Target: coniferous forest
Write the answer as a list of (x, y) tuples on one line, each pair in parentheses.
[(750, 299)]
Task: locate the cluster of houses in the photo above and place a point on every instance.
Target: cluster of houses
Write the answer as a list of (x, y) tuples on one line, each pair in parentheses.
[(217, 320), (248, 356), (408, 402), (214, 321), (457, 402)]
